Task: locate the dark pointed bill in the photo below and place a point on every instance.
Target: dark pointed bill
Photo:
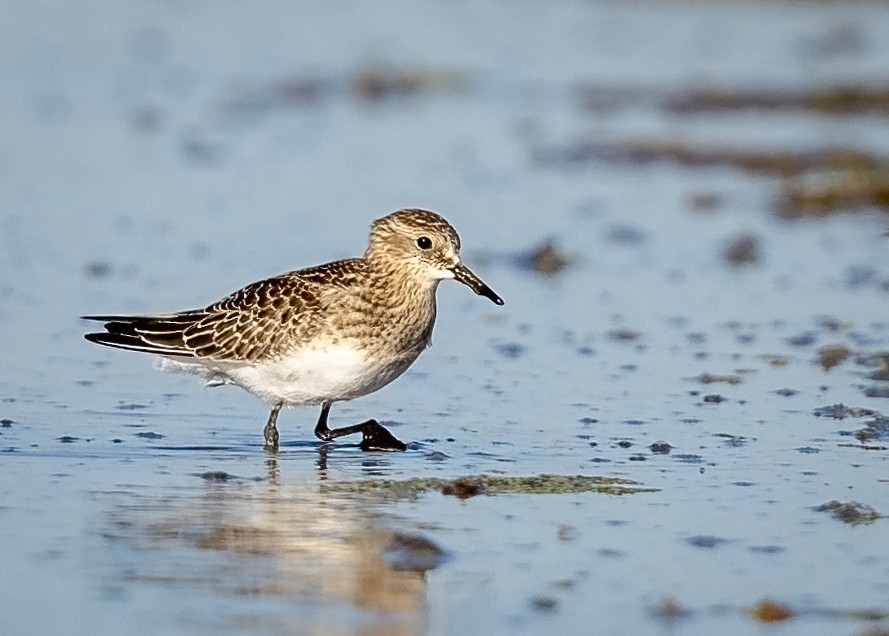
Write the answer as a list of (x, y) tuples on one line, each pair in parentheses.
[(465, 276)]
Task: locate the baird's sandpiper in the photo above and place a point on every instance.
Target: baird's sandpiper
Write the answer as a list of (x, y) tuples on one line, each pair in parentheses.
[(319, 335)]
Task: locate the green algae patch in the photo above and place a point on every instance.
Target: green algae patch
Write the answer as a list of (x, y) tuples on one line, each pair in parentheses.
[(474, 485), (846, 99), (840, 411), (851, 512)]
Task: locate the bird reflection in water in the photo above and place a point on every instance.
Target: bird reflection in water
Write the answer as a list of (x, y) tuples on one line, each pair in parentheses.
[(335, 555)]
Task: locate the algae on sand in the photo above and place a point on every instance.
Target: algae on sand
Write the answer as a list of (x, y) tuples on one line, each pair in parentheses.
[(472, 485)]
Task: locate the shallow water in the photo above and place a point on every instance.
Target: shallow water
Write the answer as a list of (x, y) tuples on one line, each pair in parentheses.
[(156, 157)]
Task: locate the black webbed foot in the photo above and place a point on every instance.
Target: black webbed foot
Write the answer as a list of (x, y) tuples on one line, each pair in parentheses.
[(373, 436), (377, 438)]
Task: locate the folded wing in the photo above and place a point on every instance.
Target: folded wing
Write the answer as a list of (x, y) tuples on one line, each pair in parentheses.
[(253, 323)]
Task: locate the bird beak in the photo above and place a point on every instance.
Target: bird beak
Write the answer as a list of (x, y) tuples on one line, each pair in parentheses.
[(465, 276)]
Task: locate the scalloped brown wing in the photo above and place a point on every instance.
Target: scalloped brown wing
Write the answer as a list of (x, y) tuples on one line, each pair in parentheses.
[(259, 321), (264, 319)]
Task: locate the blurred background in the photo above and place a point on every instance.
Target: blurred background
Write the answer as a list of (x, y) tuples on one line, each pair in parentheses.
[(682, 203)]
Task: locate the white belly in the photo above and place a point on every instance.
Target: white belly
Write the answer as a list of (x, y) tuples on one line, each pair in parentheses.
[(309, 376)]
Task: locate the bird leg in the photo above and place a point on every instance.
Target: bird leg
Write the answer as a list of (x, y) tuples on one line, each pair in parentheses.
[(270, 431), (374, 436)]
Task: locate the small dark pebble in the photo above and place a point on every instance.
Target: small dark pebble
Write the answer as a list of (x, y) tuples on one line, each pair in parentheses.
[(588, 420), (638, 458), (413, 553), (219, 476), (544, 604), (547, 259), (623, 234), (436, 456), (802, 340), (624, 335), (768, 611), (808, 450), (767, 549), (510, 350), (714, 398), (688, 458), (704, 201), (732, 440), (117, 440), (743, 249), (97, 269), (669, 609), (831, 323), (660, 448), (705, 541), (150, 435), (786, 392), (710, 378), (830, 356), (296, 91), (634, 422), (876, 391), (625, 443), (858, 275), (6, 423), (131, 407), (463, 488), (68, 439), (564, 584)]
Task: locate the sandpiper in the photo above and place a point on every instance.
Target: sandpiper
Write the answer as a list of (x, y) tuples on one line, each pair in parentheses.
[(318, 335)]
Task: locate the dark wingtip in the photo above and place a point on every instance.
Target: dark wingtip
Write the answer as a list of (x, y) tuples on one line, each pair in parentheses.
[(114, 340)]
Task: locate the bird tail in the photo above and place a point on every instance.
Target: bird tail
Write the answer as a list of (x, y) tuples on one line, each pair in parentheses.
[(163, 335)]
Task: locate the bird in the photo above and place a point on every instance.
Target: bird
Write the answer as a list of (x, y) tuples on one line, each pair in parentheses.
[(319, 335)]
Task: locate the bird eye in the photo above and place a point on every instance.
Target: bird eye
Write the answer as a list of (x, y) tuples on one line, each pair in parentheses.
[(424, 242)]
